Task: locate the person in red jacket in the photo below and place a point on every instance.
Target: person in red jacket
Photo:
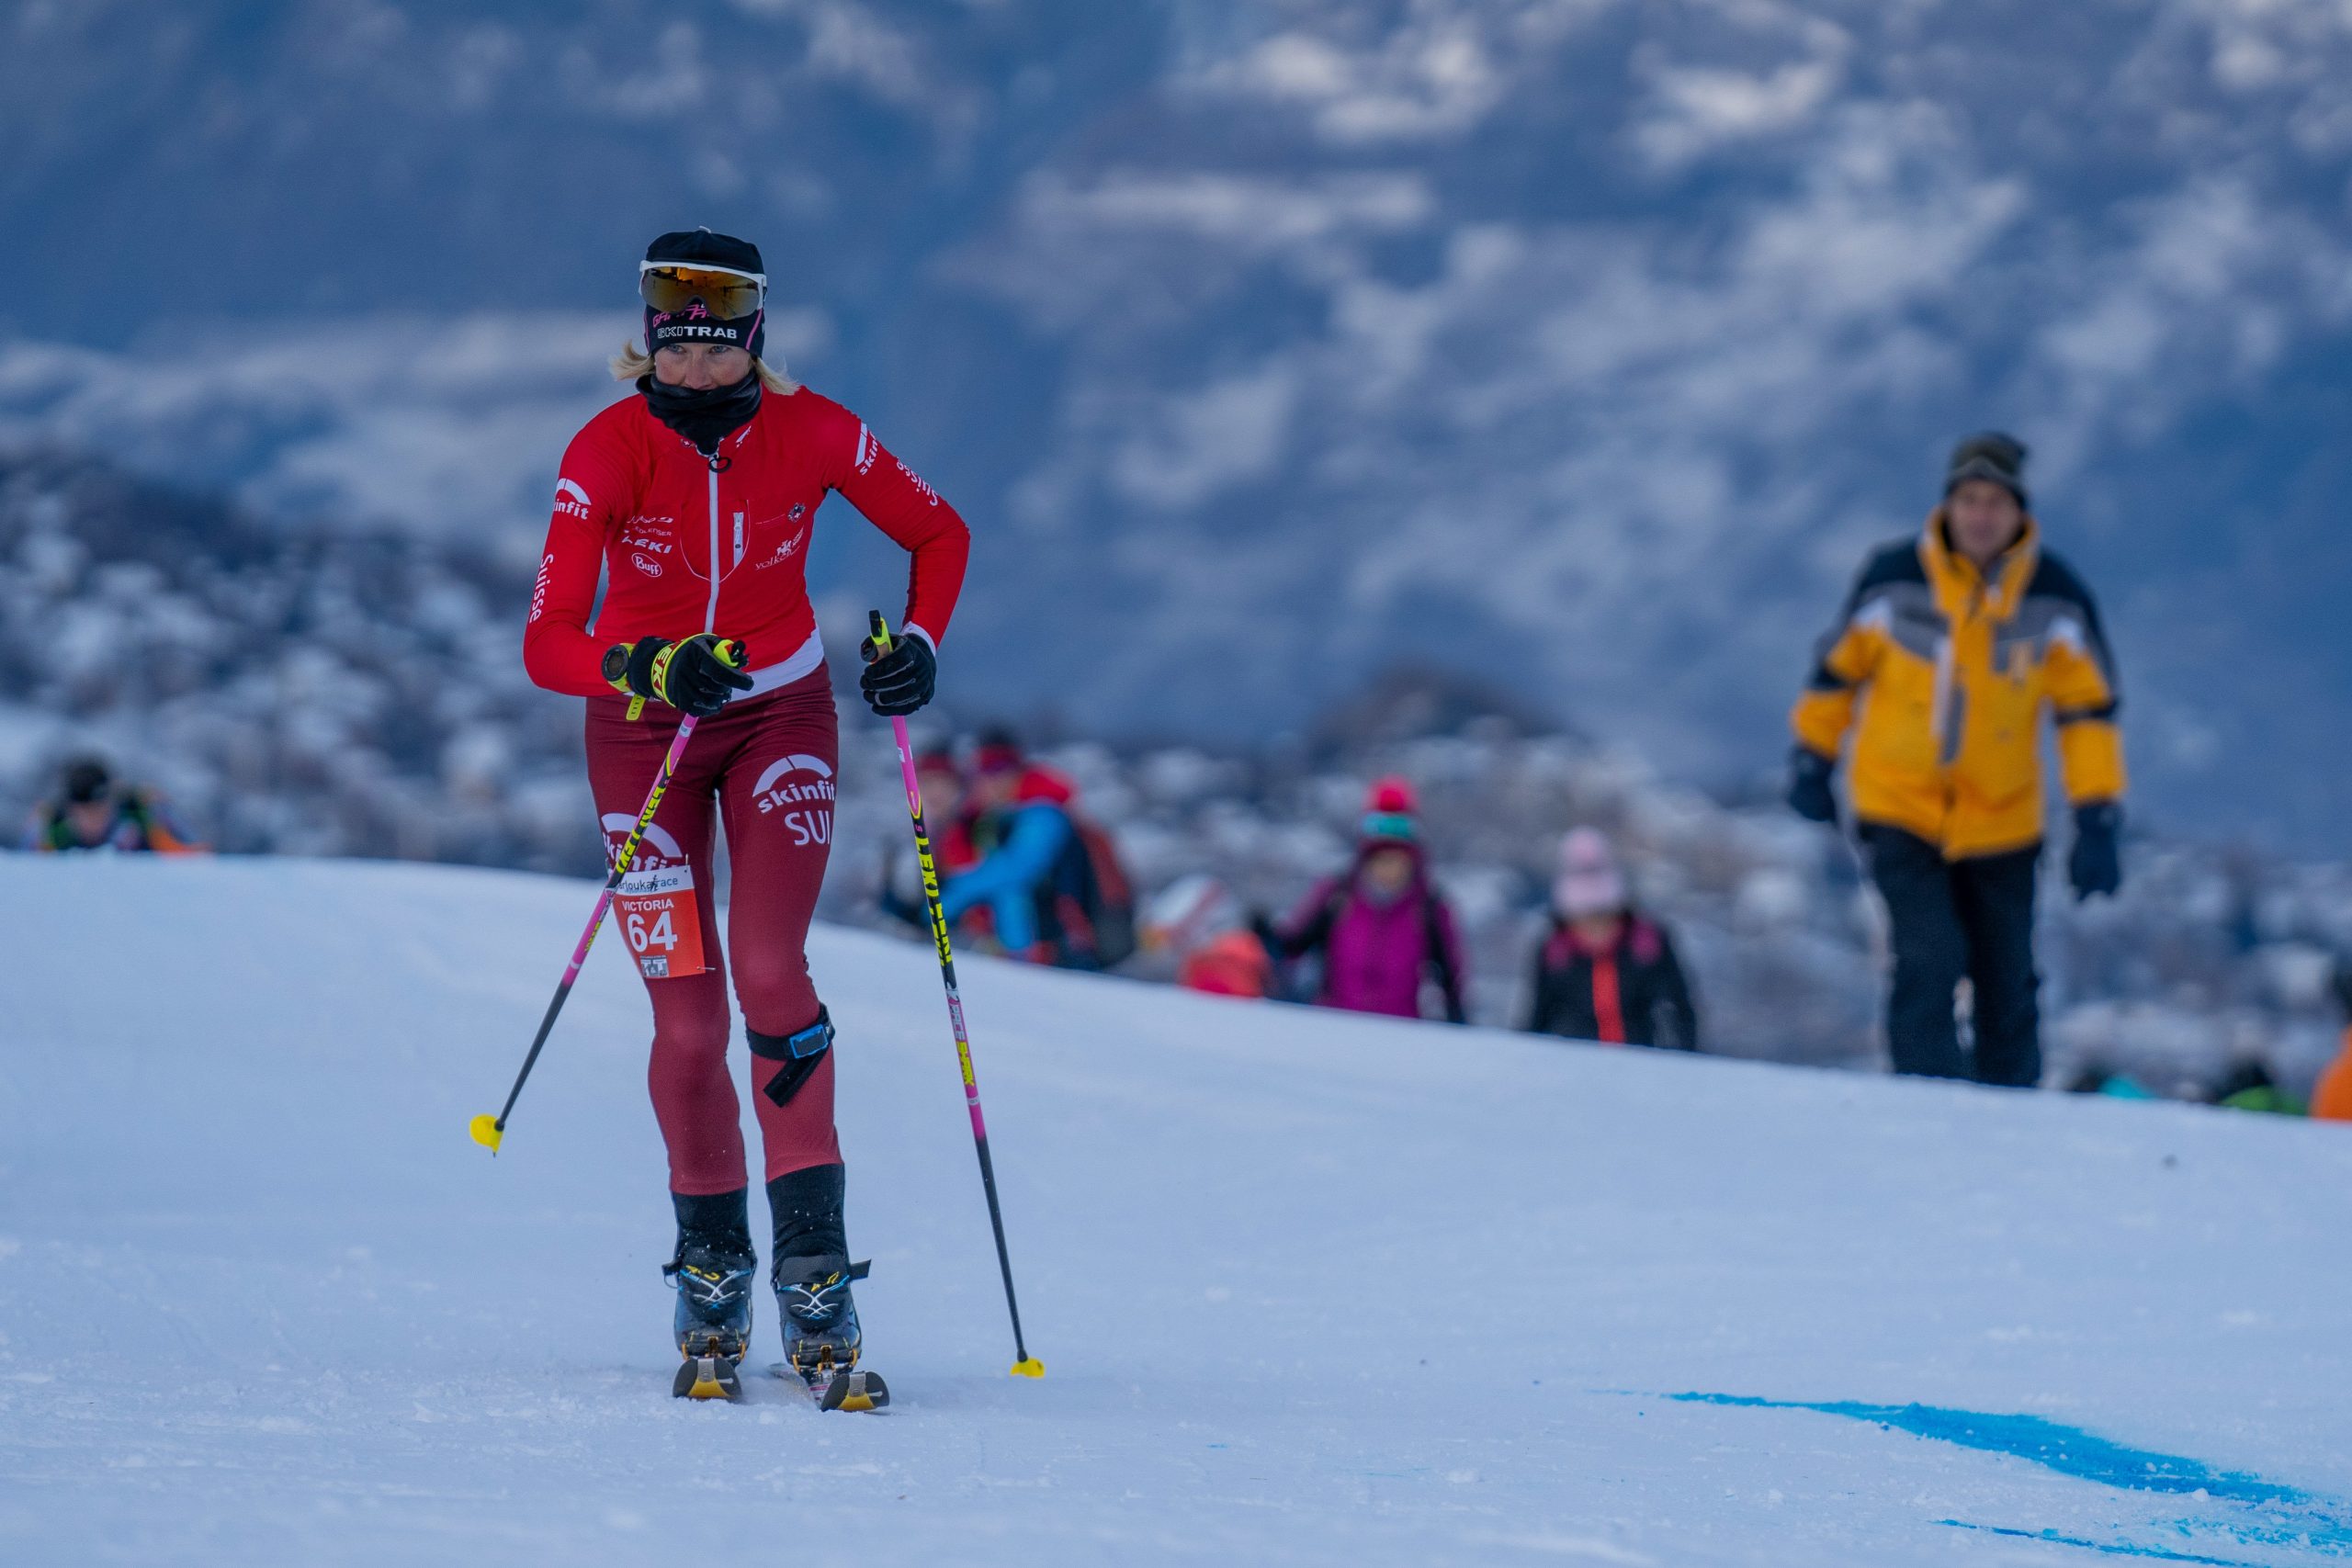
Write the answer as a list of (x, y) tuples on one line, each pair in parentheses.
[(695, 500), (948, 814)]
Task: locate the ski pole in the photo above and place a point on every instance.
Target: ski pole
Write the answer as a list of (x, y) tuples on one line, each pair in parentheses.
[(1026, 1366), (488, 1130)]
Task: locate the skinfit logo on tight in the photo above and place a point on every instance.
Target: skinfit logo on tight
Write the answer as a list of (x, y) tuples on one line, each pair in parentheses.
[(800, 787), (658, 848)]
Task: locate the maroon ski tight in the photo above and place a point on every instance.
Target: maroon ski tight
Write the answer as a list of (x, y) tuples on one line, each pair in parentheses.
[(764, 766)]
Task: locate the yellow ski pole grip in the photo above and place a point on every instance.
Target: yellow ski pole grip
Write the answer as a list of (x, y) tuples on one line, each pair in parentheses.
[(877, 641)]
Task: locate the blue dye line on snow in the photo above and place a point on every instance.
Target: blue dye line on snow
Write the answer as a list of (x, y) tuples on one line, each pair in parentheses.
[(2069, 1450), (2113, 1549), (2311, 1532), (2289, 1516)]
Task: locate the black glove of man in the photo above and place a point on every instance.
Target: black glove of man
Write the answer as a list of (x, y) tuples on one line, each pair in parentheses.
[(2096, 863), (696, 676), (1810, 795), (899, 682)]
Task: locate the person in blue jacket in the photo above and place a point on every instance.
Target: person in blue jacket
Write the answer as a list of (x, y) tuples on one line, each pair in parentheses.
[(1030, 874)]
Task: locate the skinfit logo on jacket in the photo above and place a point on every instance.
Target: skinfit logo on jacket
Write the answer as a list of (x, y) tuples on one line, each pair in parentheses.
[(570, 500), (802, 788)]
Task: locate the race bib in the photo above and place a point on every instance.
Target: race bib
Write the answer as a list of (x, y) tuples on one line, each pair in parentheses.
[(662, 921)]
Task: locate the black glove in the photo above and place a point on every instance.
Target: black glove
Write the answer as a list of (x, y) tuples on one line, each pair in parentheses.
[(1810, 795), (1270, 937), (899, 682), (696, 676), (2096, 864)]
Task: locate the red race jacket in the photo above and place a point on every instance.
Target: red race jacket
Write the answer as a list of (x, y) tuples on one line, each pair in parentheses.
[(690, 546)]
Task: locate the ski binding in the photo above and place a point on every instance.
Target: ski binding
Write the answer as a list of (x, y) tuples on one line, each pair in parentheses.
[(842, 1388), (709, 1373)]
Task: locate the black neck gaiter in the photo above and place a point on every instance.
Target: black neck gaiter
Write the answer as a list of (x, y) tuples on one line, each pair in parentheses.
[(706, 416)]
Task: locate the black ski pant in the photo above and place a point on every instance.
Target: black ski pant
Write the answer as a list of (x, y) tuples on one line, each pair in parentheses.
[(1970, 918)]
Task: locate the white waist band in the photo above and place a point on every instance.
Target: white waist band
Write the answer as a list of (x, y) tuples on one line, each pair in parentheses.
[(806, 658)]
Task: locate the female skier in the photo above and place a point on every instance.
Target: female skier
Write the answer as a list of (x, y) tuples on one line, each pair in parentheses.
[(695, 500)]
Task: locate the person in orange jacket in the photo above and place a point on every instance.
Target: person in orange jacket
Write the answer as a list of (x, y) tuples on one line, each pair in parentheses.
[(2332, 1097), (1230, 964), (1195, 919), (1949, 651)]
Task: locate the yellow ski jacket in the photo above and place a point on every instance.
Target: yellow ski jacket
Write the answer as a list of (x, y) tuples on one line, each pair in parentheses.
[(1943, 673)]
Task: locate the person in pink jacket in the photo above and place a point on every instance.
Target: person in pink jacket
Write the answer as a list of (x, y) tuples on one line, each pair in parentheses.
[(1382, 930)]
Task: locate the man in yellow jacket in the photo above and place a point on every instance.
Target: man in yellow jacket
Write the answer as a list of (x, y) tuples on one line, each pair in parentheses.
[(1948, 652)]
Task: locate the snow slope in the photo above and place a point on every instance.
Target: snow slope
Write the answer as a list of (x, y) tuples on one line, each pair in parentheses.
[(1311, 1289)]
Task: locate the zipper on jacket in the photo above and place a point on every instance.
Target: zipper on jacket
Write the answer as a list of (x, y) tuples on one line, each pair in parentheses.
[(710, 618), (1947, 673), (1951, 709)]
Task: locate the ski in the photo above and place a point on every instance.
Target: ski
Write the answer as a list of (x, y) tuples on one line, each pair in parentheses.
[(707, 1377), (850, 1390)]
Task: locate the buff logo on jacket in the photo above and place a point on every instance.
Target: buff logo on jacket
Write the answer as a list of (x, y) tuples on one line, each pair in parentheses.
[(1943, 673)]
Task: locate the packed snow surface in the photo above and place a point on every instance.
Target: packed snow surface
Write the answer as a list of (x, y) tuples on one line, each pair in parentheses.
[(1310, 1289)]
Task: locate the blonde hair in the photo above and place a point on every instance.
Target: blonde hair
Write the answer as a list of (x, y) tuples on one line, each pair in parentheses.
[(633, 362)]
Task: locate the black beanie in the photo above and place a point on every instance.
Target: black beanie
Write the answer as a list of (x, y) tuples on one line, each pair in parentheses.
[(87, 780), (700, 247), (1992, 456)]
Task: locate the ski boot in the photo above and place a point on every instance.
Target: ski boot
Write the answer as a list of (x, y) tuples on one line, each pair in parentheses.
[(820, 1334), (712, 1274), (812, 1277)]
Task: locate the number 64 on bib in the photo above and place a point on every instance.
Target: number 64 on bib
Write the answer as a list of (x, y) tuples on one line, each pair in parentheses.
[(662, 921)]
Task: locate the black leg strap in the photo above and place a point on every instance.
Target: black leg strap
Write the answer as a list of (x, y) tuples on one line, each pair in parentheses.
[(799, 1052)]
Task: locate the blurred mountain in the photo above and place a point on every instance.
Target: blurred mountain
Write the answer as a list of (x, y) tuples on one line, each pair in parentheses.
[(1411, 702), (293, 688), (1273, 345)]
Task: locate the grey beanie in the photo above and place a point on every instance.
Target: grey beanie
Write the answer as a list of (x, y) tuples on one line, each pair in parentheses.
[(1992, 456)]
